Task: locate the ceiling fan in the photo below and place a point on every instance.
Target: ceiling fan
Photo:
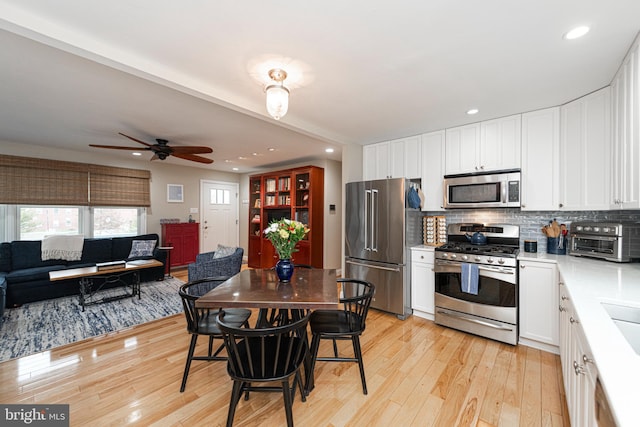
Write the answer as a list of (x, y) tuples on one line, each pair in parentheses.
[(161, 150)]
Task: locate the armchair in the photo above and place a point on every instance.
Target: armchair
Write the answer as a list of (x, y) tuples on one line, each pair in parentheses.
[(208, 266)]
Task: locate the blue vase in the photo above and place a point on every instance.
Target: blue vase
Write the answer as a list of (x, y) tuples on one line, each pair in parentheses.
[(284, 270)]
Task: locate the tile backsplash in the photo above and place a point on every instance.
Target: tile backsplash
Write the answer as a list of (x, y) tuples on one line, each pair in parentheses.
[(531, 222)]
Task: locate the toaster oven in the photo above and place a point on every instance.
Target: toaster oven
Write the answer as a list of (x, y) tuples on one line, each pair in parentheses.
[(618, 242)]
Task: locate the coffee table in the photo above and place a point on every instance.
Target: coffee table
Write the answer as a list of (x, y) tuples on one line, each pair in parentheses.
[(87, 275)]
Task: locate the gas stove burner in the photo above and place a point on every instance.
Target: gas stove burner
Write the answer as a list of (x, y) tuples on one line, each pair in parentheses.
[(461, 247)]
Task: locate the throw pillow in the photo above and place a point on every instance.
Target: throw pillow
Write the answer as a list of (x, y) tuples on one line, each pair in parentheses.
[(142, 248), (223, 251)]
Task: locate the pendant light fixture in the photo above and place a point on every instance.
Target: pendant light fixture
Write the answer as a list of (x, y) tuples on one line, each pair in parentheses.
[(277, 94)]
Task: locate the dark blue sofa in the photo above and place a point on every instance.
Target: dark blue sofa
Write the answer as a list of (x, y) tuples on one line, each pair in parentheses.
[(25, 277)]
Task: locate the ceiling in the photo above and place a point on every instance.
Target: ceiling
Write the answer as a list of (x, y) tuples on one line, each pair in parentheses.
[(77, 73)]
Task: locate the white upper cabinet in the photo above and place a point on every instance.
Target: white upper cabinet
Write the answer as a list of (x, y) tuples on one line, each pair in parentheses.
[(433, 170), (625, 109), (412, 157), (486, 146), (399, 158), (585, 146), (461, 149), (540, 159), (500, 143)]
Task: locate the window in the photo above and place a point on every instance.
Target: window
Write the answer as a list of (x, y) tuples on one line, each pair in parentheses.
[(220, 197), (28, 222), (108, 222), (38, 221)]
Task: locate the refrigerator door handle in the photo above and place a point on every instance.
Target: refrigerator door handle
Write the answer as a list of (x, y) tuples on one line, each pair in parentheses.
[(367, 210), (374, 220), (371, 266)]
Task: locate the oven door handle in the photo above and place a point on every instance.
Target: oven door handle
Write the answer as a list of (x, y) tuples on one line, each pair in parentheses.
[(456, 267), (476, 321)]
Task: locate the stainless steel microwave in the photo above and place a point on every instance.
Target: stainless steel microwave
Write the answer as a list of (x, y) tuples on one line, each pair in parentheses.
[(500, 189)]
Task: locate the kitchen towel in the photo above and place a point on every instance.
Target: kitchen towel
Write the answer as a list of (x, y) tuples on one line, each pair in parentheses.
[(469, 278)]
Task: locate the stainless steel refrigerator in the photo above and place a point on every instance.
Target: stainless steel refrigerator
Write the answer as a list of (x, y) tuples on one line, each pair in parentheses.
[(379, 231)]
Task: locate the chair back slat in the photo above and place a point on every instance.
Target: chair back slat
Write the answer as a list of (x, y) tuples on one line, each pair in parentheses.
[(264, 353), (355, 297), (189, 294)]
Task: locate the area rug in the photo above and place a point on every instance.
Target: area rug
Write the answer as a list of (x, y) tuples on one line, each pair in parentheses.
[(43, 325)]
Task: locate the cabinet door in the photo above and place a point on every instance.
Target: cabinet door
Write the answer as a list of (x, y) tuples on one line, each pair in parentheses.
[(412, 157), (540, 160), (422, 283), (500, 142), (433, 170), (369, 166), (585, 146), (625, 104), (377, 163), (539, 302), (393, 155), (461, 149)]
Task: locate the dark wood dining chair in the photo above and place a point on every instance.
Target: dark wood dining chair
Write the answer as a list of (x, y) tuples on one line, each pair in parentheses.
[(262, 356), (203, 321), (347, 323)]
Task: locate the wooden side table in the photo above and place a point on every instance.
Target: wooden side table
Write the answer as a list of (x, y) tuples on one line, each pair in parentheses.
[(167, 270)]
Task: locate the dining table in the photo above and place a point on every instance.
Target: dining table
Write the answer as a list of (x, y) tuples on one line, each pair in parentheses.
[(308, 289)]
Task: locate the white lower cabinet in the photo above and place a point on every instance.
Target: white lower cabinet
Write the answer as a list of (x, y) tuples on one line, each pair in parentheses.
[(538, 304), (422, 282), (579, 371)]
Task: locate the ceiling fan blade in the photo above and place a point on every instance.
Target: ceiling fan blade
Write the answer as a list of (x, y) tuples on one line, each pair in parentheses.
[(117, 147), (191, 150), (134, 139), (193, 158)]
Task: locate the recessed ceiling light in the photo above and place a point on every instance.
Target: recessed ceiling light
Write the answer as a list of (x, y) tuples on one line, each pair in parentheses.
[(255, 154), (576, 32), (329, 150), (227, 161), (235, 169), (136, 154), (241, 157), (272, 149), (472, 111)]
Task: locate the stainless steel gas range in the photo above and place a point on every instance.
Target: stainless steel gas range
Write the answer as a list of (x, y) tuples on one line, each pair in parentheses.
[(485, 257)]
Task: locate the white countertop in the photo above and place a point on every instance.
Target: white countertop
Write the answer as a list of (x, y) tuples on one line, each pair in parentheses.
[(588, 283)]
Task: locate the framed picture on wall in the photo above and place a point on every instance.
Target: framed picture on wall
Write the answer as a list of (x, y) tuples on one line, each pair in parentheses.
[(175, 193)]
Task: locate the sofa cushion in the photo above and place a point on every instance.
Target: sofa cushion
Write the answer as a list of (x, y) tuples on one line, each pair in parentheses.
[(142, 249), (121, 246), (31, 274), (28, 254), (96, 250), (5, 256)]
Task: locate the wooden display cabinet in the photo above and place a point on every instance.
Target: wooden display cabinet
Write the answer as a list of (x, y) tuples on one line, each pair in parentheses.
[(292, 194)]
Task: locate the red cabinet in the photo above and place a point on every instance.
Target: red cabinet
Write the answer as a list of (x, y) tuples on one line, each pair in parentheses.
[(184, 237)]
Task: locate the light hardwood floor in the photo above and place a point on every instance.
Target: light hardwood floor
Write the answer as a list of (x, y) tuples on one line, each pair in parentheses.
[(418, 374)]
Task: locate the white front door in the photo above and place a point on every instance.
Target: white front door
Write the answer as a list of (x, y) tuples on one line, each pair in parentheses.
[(219, 219)]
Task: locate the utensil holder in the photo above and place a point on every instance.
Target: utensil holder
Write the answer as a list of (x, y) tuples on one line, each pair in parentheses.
[(557, 245)]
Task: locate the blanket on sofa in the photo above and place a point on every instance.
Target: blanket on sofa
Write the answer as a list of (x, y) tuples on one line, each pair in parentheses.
[(65, 247)]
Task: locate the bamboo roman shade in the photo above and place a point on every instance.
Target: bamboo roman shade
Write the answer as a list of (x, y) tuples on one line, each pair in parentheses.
[(30, 181), (111, 186)]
